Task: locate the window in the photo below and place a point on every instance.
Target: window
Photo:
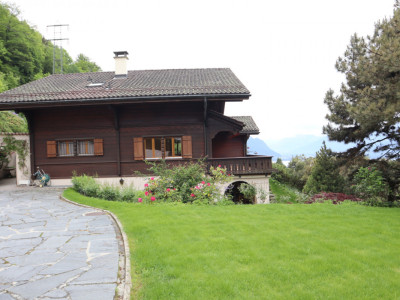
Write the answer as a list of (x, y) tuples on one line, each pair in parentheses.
[(163, 147), (173, 147), (85, 147), (66, 148), (75, 147)]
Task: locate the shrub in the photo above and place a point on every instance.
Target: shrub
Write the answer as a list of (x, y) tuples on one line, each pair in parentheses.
[(248, 191), (336, 198), (128, 194), (86, 185), (186, 183), (182, 177), (110, 192), (370, 185)]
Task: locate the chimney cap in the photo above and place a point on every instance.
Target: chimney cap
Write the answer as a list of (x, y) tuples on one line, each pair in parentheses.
[(120, 53)]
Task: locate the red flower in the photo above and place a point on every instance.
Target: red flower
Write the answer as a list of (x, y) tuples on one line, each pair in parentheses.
[(192, 195), (153, 198), (146, 193), (146, 185), (152, 178), (219, 166), (140, 200), (168, 190), (203, 182), (208, 184)]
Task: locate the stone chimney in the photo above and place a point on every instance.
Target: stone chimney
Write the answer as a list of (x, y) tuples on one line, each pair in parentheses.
[(121, 62)]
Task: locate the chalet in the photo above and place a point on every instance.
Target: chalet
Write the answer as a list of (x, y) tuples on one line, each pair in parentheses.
[(109, 123)]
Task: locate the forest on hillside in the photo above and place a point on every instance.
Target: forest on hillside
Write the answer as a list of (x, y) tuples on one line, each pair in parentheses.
[(25, 55)]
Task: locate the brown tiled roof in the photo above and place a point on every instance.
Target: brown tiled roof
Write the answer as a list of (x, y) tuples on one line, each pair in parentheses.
[(138, 84), (249, 127)]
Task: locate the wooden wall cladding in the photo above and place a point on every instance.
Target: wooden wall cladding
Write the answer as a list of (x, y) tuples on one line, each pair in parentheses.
[(98, 122), (225, 144)]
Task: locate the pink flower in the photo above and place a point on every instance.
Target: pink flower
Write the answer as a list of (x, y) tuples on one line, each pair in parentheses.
[(208, 184), (146, 185), (146, 193), (153, 198), (140, 200), (219, 166), (168, 190), (152, 178), (174, 189), (203, 182), (192, 195)]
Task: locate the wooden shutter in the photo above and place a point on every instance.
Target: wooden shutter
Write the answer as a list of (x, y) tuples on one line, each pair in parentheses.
[(51, 149), (98, 146), (187, 146), (138, 148)]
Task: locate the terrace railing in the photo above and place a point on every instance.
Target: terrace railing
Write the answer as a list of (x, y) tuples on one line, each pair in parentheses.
[(248, 165)]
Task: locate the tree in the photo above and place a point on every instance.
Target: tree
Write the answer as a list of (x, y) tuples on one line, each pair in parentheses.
[(299, 169), (84, 65), (367, 110), (324, 174), (11, 122), (370, 185)]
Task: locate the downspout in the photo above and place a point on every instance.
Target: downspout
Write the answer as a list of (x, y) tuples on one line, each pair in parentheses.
[(205, 128), (116, 126), (29, 119)]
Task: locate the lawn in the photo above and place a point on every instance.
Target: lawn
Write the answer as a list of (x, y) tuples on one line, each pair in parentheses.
[(277, 251)]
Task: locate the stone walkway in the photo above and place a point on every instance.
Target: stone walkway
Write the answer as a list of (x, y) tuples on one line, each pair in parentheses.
[(51, 249)]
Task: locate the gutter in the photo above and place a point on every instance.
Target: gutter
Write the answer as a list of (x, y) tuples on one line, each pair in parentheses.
[(121, 100)]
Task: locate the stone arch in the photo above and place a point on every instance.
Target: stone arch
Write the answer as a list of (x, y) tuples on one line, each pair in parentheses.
[(237, 197)]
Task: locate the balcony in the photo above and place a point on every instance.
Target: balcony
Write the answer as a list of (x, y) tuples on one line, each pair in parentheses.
[(248, 165)]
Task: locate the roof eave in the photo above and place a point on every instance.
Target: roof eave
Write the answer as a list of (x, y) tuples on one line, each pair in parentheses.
[(122, 100)]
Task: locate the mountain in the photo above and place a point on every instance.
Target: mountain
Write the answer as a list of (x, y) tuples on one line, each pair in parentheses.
[(304, 144), (286, 148), (258, 146)]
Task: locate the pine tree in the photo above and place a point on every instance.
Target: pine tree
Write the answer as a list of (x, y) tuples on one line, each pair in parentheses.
[(324, 174), (367, 110)]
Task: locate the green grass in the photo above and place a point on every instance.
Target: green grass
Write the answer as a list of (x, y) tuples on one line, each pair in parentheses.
[(277, 251)]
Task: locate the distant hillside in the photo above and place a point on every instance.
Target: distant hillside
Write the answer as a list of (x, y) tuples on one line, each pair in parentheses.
[(286, 148), (258, 146), (304, 144)]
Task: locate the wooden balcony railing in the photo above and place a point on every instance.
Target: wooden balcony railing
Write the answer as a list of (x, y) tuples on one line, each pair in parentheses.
[(248, 165)]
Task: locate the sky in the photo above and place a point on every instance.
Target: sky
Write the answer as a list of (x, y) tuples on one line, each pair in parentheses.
[(284, 52)]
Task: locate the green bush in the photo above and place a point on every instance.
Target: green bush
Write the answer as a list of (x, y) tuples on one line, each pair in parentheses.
[(185, 183), (110, 192), (85, 185), (88, 186), (248, 191), (296, 173), (370, 186), (128, 194)]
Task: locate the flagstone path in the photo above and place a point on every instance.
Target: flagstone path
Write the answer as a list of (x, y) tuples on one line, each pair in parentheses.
[(51, 249)]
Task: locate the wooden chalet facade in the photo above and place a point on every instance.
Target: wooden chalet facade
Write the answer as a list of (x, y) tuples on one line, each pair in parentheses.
[(109, 123)]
